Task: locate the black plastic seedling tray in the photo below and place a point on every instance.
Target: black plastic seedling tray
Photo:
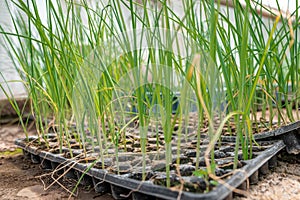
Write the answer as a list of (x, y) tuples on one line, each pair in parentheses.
[(126, 185), (122, 187), (290, 135), (279, 133)]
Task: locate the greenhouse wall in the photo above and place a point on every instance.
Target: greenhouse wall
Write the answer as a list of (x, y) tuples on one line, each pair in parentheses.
[(9, 77)]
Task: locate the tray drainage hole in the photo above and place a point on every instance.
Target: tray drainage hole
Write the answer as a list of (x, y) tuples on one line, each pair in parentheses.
[(119, 192), (273, 162), (55, 166), (70, 173), (243, 186), (254, 178), (46, 164), (100, 186), (264, 170), (35, 159), (85, 180)]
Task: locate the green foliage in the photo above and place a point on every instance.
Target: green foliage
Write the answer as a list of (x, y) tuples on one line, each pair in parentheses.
[(92, 64)]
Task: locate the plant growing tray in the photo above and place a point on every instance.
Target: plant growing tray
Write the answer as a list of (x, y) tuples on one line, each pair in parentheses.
[(290, 135), (280, 132), (128, 185)]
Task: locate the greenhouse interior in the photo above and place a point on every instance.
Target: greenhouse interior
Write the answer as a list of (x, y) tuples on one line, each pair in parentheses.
[(150, 99)]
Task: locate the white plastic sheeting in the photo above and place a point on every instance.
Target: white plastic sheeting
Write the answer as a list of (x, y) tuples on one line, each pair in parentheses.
[(9, 77)]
